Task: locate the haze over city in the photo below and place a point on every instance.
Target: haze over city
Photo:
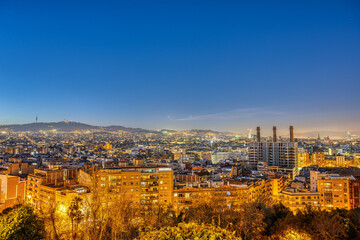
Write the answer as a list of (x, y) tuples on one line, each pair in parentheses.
[(182, 65)]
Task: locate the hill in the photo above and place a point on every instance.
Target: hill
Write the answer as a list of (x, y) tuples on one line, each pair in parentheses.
[(66, 126)]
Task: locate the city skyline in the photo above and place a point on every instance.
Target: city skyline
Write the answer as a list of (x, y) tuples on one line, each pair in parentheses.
[(179, 120), (71, 126), (182, 65)]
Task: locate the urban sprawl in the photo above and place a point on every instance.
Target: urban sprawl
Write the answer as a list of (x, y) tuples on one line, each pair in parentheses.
[(178, 168)]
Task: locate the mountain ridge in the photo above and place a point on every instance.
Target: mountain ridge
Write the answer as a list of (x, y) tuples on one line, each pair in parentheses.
[(67, 126)]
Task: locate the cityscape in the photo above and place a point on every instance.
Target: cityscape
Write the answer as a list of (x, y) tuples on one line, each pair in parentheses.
[(168, 174), (180, 120)]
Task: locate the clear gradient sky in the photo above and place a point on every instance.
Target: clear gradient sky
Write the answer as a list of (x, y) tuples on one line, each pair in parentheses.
[(225, 65)]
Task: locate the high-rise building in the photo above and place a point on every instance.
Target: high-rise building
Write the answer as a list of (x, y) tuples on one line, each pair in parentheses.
[(274, 153)]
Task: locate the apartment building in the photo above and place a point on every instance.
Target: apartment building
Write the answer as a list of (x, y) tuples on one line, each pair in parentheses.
[(142, 185), (354, 190), (334, 191), (231, 194), (295, 199), (46, 186), (12, 191)]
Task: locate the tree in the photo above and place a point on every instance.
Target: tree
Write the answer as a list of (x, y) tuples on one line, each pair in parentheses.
[(353, 222), (21, 223), (250, 223), (292, 234), (276, 218), (75, 214), (320, 224), (51, 220), (124, 218), (161, 215), (187, 231), (95, 209), (329, 226)]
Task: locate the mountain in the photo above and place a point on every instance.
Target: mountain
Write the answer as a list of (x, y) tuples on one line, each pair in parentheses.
[(128, 129), (325, 133), (65, 126)]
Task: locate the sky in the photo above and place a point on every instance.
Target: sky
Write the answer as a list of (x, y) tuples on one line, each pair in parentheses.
[(222, 65)]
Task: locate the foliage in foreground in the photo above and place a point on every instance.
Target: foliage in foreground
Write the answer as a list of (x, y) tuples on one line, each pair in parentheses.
[(188, 231), (21, 223), (210, 219)]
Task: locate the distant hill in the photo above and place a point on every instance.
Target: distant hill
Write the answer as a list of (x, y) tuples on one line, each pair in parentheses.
[(65, 126), (204, 131), (324, 133), (68, 126)]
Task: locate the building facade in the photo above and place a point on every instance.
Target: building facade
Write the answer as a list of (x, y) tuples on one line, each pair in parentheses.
[(274, 153)]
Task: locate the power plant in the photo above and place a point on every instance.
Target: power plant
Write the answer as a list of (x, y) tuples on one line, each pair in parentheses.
[(274, 153)]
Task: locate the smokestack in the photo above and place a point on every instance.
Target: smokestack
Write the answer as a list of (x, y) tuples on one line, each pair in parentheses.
[(258, 134), (291, 134), (274, 134)]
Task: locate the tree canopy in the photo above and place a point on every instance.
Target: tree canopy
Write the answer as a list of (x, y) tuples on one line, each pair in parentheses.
[(188, 231), (21, 223)]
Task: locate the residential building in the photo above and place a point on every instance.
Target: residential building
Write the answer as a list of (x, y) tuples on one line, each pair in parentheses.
[(12, 191)]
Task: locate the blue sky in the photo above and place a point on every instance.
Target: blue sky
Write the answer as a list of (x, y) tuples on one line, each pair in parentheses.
[(226, 65)]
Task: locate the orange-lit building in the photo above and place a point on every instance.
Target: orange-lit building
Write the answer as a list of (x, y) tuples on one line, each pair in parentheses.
[(233, 193), (188, 196), (334, 191), (340, 161), (296, 200), (46, 186), (318, 158), (108, 146), (354, 190), (17, 168), (303, 159), (142, 185), (12, 191)]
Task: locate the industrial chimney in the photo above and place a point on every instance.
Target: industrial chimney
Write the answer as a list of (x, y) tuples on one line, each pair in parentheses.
[(274, 134), (291, 134), (258, 134)]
